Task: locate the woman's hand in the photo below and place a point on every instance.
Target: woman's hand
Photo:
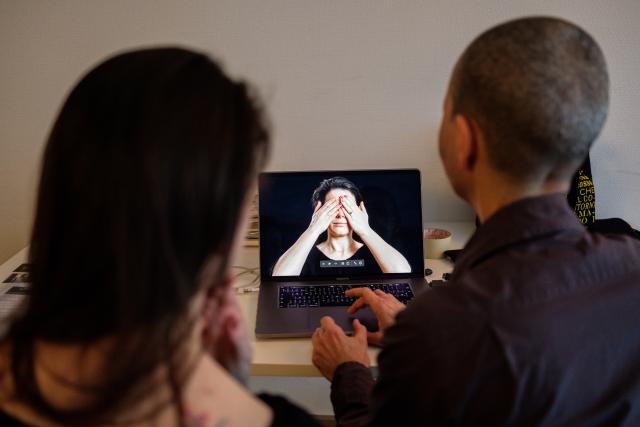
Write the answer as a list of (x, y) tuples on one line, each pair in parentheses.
[(225, 334), (356, 216), (323, 215)]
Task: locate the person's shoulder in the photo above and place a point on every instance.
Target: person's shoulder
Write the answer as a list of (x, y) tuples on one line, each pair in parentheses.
[(317, 251), (616, 253), (286, 413), (11, 410), (621, 242), (8, 421), (211, 391), (362, 248)]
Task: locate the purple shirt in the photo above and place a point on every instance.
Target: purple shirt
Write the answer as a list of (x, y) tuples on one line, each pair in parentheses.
[(539, 325)]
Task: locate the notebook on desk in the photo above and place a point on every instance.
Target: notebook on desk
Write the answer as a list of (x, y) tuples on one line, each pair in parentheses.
[(322, 233)]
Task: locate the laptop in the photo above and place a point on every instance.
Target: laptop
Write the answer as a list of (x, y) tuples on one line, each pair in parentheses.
[(324, 232)]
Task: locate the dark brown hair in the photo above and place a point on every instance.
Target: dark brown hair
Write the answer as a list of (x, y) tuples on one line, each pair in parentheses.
[(329, 184), (143, 179), (538, 89)]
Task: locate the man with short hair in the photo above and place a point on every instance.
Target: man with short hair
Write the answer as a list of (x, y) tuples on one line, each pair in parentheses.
[(539, 322)]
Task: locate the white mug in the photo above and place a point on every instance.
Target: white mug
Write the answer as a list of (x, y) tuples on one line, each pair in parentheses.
[(435, 242)]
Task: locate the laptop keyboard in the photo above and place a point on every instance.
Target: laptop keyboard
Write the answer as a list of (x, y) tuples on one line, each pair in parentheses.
[(333, 295)]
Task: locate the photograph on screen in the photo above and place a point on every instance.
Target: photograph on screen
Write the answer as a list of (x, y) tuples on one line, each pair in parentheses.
[(341, 223)]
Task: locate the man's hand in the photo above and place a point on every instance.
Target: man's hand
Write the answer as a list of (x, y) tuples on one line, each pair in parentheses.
[(332, 347), (356, 215), (385, 306)]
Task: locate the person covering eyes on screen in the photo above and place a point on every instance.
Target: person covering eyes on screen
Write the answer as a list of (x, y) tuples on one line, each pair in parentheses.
[(339, 210)]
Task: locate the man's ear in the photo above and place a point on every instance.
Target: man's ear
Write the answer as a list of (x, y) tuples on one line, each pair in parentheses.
[(467, 142)]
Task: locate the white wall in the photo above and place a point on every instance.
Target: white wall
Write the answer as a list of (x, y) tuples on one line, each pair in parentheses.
[(349, 84)]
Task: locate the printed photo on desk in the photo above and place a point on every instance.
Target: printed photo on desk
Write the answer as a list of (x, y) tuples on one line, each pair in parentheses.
[(17, 277)]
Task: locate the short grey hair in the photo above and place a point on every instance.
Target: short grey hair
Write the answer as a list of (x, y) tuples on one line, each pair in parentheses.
[(538, 88)]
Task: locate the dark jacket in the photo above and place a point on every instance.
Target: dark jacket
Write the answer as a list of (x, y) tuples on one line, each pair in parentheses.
[(539, 325)]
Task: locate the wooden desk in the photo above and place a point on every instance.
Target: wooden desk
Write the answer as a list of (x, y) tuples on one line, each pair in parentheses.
[(283, 366)]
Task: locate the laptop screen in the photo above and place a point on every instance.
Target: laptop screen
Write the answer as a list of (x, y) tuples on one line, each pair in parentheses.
[(354, 224)]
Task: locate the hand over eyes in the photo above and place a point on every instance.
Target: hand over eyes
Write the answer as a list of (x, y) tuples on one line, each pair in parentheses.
[(323, 215), (356, 215)]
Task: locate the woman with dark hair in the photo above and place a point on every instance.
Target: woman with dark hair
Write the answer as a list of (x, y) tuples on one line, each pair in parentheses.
[(339, 211), (132, 319)]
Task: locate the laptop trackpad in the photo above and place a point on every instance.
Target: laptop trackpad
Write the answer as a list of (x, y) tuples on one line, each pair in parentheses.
[(342, 318)]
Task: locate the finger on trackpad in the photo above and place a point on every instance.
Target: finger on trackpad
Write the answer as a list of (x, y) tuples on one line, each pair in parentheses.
[(338, 316), (369, 322), (344, 320)]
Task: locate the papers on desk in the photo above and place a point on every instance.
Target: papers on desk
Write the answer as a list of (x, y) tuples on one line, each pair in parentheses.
[(14, 295), (252, 238), (17, 278)]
